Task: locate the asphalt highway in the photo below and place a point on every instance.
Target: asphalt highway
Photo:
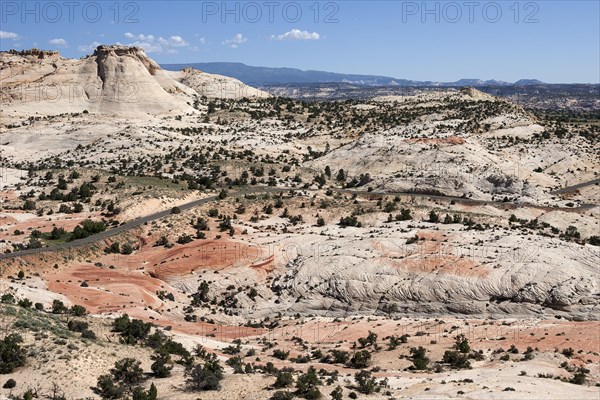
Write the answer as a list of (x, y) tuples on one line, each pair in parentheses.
[(254, 191)]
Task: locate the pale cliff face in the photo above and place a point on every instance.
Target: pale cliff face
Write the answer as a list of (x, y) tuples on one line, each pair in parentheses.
[(114, 79)]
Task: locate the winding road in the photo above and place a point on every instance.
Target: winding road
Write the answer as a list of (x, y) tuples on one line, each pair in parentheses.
[(575, 187), (251, 191), (130, 225)]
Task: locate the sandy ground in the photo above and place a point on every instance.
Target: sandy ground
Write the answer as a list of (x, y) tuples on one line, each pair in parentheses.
[(83, 361)]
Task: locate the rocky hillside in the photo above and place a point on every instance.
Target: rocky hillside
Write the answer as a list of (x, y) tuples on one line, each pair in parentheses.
[(114, 79)]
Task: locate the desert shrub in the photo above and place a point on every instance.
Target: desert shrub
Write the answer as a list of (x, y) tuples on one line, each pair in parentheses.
[(201, 296), (128, 372), (107, 388), (237, 364), (579, 378), (393, 342), (320, 221), (9, 384), (173, 347), (236, 348), (114, 248), (370, 340), (25, 303), (252, 293), (165, 295), (281, 395), (78, 311), (12, 355), (456, 359), (162, 241), (434, 217), (419, 359), (29, 205), (88, 334), (87, 228), (141, 394), (77, 326), (205, 377), (404, 215), (160, 367), (571, 233), (412, 240), (284, 379), (365, 381), (528, 354), (131, 330), (202, 225), (349, 221), (568, 352), (302, 359), (183, 239), (280, 354), (7, 298), (360, 359), (225, 225), (336, 357), (58, 307), (307, 385), (337, 393), (462, 344), (126, 249)]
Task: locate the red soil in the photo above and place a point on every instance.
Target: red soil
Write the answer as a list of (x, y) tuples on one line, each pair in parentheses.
[(434, 255), (41, 223), (109, 290), (6, 220), (133, 285), (8, 196), (546, 335), (200, 254), (133, 293)]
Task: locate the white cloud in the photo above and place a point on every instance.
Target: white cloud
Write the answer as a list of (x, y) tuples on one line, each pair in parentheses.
[(201, 39), (153, 44), (173, 41), (88, 48), (150, 43), (235, 42), (149, 47), (8, 35), (297, 34), (140, 37), (58, 42)]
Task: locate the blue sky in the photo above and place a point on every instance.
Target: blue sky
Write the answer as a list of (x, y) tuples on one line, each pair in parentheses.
[(555, 41)]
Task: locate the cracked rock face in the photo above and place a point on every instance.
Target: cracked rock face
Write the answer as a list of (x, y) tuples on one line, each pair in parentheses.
[(456, 274), (104, 53)]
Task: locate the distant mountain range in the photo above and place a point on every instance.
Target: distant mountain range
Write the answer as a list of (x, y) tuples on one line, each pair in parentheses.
[(264, 76)]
